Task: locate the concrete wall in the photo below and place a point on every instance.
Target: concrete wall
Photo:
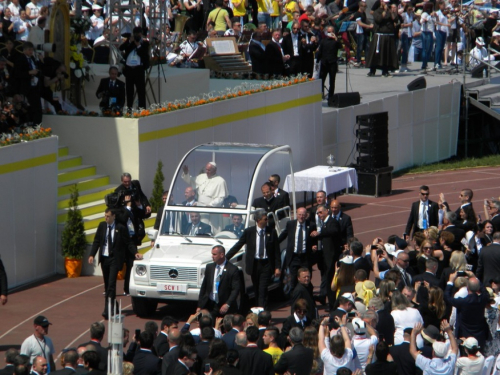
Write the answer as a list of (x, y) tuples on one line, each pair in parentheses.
[(28, 176), (423, 127)]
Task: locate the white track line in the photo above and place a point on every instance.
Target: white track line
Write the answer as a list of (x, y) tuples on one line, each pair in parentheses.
[(379, 229), (80, 336), (450, 183), (48, 308)]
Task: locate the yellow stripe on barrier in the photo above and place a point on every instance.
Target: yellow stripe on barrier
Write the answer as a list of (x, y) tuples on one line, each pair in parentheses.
[(198, 125), (28, 163)]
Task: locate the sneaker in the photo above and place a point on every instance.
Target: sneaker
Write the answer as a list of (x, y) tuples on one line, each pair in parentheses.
[(403, 70), (387, 75), (370, 74), (356, 64), (429, 69)]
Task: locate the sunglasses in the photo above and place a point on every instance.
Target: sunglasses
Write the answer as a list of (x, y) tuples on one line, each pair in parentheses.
[(424, 193)]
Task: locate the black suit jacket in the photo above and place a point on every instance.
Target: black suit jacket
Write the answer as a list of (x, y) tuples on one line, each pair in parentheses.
[(301, 291), (203, 229), (363, 264), (254, 361), (64, 371), (274, 59), (459, 233), (289, 233), (306, 50), (121, 247), (470, 314), (103, 354), (297, 361), (238, 231), (346, 229), (412, 224), (229, 338), (161, 344), (495, 220), (423, 293), (142, 51), (3, 280), (229, 286), (169, 360), (178, 369), (9, 370), (258, 57), (328, 51), (330, 238), (488, 265), (272, 205), (385, 326), (21, 79), (290, 323), (117, 91), (136, 185), (249, 239), (405, 362), (203, 347), (146, 363), (284, 196)]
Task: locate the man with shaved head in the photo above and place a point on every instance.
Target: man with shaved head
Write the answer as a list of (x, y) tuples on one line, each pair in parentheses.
[(39, 366), (169, 359), (470, 310), (299, 253)]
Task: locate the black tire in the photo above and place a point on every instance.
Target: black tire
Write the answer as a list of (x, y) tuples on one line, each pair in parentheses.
[(144, 307)]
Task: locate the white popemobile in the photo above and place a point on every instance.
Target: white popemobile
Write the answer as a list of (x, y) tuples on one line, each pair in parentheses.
[(229, 178)]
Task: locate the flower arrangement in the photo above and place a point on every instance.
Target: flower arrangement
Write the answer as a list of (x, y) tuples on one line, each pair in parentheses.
[(77, 63), (25, 135)]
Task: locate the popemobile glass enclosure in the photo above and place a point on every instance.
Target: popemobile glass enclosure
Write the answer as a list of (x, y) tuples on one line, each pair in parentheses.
[(209, 203)]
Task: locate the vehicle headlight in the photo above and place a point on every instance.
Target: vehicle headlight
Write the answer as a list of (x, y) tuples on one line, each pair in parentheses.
[(141, 270)]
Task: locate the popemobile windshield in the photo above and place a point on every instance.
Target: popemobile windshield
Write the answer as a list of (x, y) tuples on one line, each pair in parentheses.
[(209, 203)]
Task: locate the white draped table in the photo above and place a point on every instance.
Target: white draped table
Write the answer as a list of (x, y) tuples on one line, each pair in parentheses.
[(321, 178)]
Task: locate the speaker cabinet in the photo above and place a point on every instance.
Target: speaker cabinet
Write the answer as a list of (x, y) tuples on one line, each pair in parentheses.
[(345, 99), (376, 183), (417, 84)]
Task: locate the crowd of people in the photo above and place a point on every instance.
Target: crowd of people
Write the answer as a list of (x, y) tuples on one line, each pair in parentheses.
[(423, 303)]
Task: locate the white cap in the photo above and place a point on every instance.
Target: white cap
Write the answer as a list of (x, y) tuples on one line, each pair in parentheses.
[(96, 7), (397, 253), (257, 310), (347, 259), (359, 326), (480, 41), (390, 248), (440, 349), (84, 8), (471, 342), (212, 163), (349, 297)]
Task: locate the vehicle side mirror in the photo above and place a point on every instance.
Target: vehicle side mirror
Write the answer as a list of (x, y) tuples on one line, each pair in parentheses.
[(152, 234)]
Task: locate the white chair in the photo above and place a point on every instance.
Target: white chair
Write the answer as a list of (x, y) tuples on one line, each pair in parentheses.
[(496, 367), (488, 365)]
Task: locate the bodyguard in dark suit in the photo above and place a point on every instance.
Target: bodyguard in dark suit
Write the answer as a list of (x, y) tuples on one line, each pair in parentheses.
[(145, 362), (346, 228), (274, 56), (307, 46), (196, 227), (172, 356), (161, 345), (268, 202), (187, 358), (253, 360), (429, 276), (299, 359), (221, 285), (111, 90), (470, 310), (329, 235), (113, 243), (275, 180), (327, 55), (359, 261), (136, 55), (423, 214), (97, 330), (488, 265), (291, 47), (449, 221), (236, 227), (257, 52), (262, 255), (304, 290), (299, 251)]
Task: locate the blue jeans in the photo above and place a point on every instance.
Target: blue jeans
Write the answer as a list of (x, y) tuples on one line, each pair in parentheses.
[(275, 22), (440, 42), (417, 54), (361, 41), (405, 46), (427, 42), (264, 17)]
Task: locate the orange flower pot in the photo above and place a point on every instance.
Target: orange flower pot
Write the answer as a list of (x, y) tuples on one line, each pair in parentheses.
[(73, 267)]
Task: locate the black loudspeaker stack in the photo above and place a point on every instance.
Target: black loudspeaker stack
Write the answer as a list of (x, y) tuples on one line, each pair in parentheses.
[(345, 99), (372, 162)]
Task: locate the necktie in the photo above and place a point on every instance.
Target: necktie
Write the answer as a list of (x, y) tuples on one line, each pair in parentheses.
[(300, 240), (405, 277), (261, 244), (217, 281), (109, 242), (193, 230)]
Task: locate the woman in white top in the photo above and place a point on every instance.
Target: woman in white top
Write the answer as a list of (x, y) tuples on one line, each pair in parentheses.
[(427, 23), (406, 35), (33, 11), (404, 316), (337, 353), (97, 23), (441, 33)]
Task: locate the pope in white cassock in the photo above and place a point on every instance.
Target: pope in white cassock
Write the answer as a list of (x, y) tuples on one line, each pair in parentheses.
[(211, 189)]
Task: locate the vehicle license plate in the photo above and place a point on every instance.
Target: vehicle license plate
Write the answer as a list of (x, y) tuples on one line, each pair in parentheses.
[(171, 288)]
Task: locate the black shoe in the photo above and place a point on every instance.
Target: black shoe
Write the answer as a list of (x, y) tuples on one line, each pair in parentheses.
[(370, 74), (105, 315)]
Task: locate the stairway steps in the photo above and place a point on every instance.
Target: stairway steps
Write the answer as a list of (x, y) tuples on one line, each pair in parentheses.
[(148, 223), (92, 221), (69, 161), (87, 209), (74, 173), (62, 151), (486, 90), (84, 184), (86, 196)]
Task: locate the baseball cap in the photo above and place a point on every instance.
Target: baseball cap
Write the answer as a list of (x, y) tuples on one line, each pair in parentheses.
[(471, 343), (359, 326), (440, 349), (480, 41), (390, 249), (40, 320), (349, 297), (347, 259)]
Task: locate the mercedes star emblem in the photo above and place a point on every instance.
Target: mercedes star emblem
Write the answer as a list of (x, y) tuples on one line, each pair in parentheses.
[(173, 273)]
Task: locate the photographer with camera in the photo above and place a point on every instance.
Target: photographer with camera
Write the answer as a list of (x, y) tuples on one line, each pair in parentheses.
[(136, 55), (111, 91)]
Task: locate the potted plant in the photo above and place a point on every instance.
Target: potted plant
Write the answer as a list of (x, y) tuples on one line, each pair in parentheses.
[(73, 242)]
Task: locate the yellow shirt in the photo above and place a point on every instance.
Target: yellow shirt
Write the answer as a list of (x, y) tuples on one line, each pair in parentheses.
[(275, 353), (218, 15), (262, 6), (276, 9), (289, 9), (240, 10)]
